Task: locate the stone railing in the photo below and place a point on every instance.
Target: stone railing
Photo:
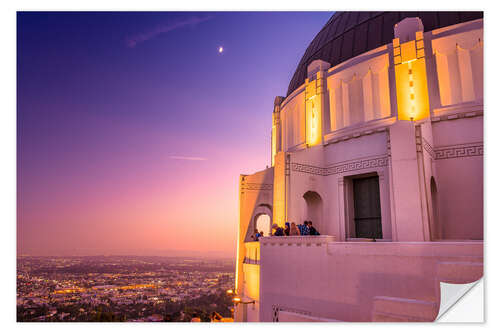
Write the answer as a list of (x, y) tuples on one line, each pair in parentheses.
[(252, 249), (296, 240)]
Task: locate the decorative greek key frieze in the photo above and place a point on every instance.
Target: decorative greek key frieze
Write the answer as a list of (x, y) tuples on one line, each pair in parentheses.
[(340, 168), (256, 186), (308, 169), (465, 150), (358, 165)]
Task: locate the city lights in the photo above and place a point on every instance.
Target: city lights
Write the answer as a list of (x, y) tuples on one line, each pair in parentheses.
[(137, 289)]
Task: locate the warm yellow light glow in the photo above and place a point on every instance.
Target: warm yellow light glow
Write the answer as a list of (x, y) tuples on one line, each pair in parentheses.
[(279, 197), (411, 80), (252, 272), (313, 121), (273, 144), (236, 299), (229, 291), (412, 111)]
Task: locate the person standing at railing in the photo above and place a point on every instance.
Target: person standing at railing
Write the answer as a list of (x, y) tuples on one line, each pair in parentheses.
[(294, 231), (312, 230), (304, 231), (278, 231), (287, 228), (256, 235)]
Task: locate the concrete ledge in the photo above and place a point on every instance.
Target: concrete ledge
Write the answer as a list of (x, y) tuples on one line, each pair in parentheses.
[(289, 317), (386, 317), (357, 130), (459, 272), (412, 309)]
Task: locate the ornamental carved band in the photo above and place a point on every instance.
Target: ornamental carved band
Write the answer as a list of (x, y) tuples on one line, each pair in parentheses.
[(257, 186), (345, 167), (358, 165), (428, 148), (467, 150), (308, 169)]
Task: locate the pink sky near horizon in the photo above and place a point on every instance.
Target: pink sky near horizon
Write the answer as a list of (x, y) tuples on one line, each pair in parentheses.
[(183, 205)]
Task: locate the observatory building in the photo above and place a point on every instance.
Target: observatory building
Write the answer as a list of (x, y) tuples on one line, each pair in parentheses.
[(378, 142)]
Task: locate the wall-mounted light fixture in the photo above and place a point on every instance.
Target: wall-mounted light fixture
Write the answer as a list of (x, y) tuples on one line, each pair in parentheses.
[(237, 300)]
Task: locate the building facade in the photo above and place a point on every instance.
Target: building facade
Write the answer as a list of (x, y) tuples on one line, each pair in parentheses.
[(379, 142)]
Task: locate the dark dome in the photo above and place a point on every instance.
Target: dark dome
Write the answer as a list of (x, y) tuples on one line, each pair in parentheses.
[(348, 34)]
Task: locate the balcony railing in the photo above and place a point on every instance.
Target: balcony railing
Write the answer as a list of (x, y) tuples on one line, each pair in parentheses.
[(296, 240), (252, 249)]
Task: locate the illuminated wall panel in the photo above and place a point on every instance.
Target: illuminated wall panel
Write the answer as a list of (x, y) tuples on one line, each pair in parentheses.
[(411, 79), (359, 93), (459, 66), (273, 144), (279, 190), (313, 121)]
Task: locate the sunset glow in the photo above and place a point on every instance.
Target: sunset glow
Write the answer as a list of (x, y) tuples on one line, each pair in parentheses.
[(131, 137)]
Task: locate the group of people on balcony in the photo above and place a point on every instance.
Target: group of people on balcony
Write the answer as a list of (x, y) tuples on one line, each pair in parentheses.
[(291, 229), (257, 234)]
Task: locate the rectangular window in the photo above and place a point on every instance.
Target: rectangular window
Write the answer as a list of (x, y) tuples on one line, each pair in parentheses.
[(366, 204)]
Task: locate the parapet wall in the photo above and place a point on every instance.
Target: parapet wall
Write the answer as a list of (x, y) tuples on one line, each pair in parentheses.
[(345, 280)]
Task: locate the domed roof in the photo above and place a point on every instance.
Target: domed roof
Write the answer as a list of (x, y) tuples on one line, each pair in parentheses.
[(348, 34)]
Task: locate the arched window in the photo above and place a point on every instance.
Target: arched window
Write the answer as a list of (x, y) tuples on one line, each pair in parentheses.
[(313, 210), (263, 223)]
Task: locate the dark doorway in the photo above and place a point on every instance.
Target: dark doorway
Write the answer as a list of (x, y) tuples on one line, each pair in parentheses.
[(367, 217), (435, 229)]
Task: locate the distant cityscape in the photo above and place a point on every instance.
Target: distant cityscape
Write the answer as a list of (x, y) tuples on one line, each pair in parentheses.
[(122, 288)]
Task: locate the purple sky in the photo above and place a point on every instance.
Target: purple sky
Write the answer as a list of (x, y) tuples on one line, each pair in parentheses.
[(132, 129)]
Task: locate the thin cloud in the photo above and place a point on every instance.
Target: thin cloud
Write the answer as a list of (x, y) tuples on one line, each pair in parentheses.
[(164, 28), (188, 158)]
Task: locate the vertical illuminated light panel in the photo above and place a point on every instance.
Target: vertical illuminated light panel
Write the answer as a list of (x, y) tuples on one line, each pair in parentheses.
[(279, 189), (411, 78), (273, 144), (275, 132), (313, 115)]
